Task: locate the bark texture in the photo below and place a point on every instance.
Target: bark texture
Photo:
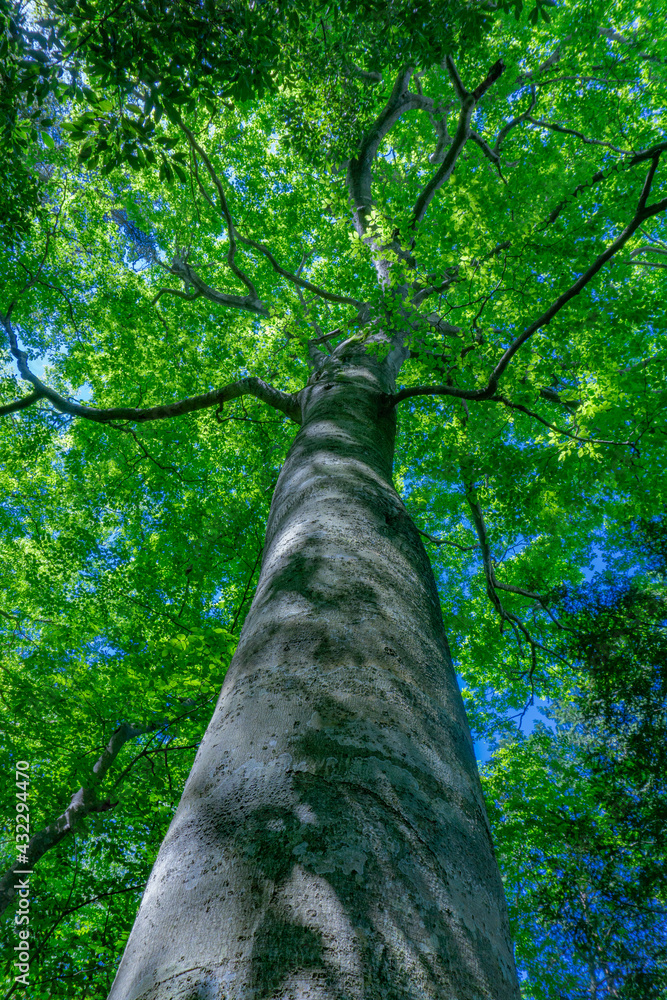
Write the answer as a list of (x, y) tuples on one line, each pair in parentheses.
[(332, 841)]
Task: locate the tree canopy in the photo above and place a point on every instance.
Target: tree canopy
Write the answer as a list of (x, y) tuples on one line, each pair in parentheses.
[(196, 199), (579, 813)]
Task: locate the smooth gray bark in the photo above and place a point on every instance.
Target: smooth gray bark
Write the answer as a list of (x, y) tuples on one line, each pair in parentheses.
[(332, 841)]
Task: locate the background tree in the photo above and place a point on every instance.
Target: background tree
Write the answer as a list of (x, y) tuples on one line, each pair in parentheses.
[(477, 198), (579, 811)]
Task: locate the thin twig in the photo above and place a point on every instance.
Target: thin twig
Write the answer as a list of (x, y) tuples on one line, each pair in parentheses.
[(446, 541), (236, 270), (247, 588), (558, 430)]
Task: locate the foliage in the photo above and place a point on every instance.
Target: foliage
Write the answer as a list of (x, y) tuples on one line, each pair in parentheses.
[(196, 224), (580, 811), (122, 65)]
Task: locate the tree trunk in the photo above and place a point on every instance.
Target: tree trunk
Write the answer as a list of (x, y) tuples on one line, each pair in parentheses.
[(332, 841)]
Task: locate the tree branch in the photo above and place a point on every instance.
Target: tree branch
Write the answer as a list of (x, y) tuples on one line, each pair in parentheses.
[(445, 541), (552, 397), (642, 213), (492, 584), (183, 271), (615, 36), (506, 129), (547, 64), (251, 386), (439, 122), (510, 589), (20, 404), (649, 248), (558, 430), (241, 275), (648, 183), (468, 102), (579, 135), (82, 803), (450, 278), (369, 76), (602, 175), (295, 278), (488, 152), (359, 170)]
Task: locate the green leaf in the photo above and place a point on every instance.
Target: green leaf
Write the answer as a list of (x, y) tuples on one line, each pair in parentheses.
[(180, 172)]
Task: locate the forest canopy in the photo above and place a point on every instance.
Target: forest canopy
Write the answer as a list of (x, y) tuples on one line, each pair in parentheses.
[(197, 200)]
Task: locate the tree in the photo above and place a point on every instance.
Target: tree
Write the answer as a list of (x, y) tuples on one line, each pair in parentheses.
[(453, 224), (579, 811)]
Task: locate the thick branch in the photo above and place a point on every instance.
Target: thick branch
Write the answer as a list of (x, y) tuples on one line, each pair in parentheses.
[(20, 404), (552, 397), (439, 122), (359, 171), (82, 803), (642, 213), (251, 386), (183, 271), (468, 102), (369, 76)]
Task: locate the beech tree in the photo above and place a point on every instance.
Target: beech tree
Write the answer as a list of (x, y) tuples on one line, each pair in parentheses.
[(296, 290)]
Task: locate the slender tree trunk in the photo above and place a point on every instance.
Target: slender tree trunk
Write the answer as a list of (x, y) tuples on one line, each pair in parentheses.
[(331, 842)]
